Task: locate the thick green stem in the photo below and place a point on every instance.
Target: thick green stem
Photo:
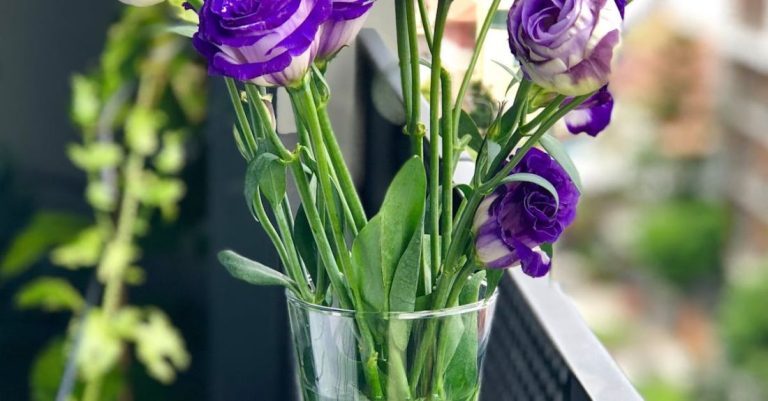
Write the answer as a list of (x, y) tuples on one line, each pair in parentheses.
[(434, 132), (415, 127), (404, 57)]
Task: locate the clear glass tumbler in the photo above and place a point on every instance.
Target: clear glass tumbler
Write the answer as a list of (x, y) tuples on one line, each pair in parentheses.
[(343, 355)]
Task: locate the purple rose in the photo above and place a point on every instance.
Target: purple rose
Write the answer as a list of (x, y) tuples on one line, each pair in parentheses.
[(517, 218), (342, 27), (267, 42), (566, 46), (592, 116)]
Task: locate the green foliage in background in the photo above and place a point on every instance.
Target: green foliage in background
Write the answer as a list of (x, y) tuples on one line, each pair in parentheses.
[(744, 326), (661, 390), (682, 241), (132, 112)]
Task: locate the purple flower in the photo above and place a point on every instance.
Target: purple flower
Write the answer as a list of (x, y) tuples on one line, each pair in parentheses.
[(566, 46), (267, 42), (517, 218), (342, 27), (592, 116)]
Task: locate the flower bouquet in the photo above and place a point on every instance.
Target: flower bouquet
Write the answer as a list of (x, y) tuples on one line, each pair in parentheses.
[(398, 305)]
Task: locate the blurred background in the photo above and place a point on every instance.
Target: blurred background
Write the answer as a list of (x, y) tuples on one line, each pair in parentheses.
[(667, 261)]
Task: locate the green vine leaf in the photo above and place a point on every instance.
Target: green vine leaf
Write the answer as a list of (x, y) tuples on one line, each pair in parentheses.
[(83, 251), (159, 346), (44, 231), (95, 156), (49, 294), (100, 346)]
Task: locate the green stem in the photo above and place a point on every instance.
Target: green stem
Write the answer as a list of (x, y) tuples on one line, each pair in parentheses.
[(303, 99), (92, 390), (425, 23), (533, 140), (404, 56), (434, 132), (346, 183), (242, 119), (265, 119), (447, 164), (473, 62), (318, 233), (415, 128)]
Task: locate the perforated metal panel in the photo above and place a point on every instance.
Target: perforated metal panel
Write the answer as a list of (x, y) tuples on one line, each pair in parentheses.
[(522, 363)]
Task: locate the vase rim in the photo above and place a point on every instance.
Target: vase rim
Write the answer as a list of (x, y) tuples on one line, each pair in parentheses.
[(484, 303)]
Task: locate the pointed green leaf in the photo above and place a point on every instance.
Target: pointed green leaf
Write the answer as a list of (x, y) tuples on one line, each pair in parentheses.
[(405, 283), (367, 261), (401, 215), (556, 150), (253, 272), (267, 173), (305, 243)]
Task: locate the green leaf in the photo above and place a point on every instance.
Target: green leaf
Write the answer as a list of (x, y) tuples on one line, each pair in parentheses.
[(402, 214), (157, 191), (95, 156), (556, 150), (117, 257), (49, 294), (462, 371), (185, 30), (367, 261), (170, 159), (533, 179), (83, 251), (494, 277), (467, 126), (101, 196), (253, 272), (100, 346), (86, 104), (141, 130), (44, 231), (471, 291), (266, 173), (160, 347), (322, 90), (405, 283), (305, 244), (47, 370)]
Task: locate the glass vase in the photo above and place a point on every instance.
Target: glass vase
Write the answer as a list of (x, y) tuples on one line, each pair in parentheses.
[(343, 355)]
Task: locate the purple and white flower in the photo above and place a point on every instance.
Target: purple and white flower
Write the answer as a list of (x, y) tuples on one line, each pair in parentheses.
[(517, 218), (566, 46), (267, 42), (593, 116), (342, 27)]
